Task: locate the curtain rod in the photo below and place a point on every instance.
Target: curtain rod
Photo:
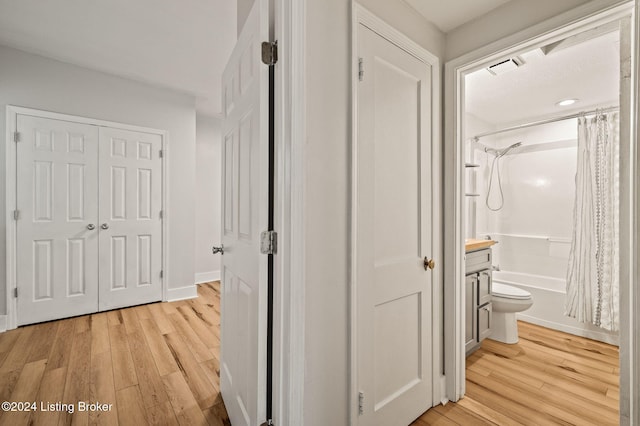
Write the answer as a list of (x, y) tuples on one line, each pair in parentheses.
[(550, 120)]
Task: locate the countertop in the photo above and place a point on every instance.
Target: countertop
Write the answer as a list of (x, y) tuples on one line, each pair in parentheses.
[(471, 244)]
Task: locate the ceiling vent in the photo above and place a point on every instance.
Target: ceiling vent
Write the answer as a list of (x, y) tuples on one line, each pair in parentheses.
[(504, 66)]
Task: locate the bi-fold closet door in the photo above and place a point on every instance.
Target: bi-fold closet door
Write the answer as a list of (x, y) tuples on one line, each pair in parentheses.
[(89, 231)]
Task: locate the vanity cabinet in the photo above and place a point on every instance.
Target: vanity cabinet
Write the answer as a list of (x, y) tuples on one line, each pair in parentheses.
[(477, 298)]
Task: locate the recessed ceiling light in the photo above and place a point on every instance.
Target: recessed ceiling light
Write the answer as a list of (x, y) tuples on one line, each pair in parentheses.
[(566, 102)]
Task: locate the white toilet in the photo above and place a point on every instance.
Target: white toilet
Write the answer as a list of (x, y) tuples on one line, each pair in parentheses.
[(506, 300)]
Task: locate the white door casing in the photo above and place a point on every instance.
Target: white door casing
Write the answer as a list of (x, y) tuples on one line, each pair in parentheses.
[(57, 255), (393, 232), (244, 216), (130, 225)]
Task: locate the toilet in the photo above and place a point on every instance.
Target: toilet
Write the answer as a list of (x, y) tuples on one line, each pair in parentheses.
[(506, 300)]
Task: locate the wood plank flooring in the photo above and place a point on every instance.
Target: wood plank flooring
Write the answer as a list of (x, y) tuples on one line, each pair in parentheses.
[(547, 378), (156, 364)]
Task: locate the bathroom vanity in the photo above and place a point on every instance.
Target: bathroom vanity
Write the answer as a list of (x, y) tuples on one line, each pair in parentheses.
[(477, 293)]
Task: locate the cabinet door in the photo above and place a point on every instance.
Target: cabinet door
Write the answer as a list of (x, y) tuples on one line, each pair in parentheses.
[(484, 287), (470, 329), (484, 322)]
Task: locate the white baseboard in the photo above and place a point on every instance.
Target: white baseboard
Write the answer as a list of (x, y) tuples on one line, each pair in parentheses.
[(182, 293), (206, 277), (589, 334), (3, 323)]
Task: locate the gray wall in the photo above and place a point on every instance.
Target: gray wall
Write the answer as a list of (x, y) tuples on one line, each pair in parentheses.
[(503, 21), (404, 18), (36, 82)]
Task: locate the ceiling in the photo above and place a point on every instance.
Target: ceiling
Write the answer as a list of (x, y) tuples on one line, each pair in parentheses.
[(587, 71), (182, 45), (450, 14)]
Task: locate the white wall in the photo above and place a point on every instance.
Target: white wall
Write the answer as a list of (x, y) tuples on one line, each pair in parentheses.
[(208, 187), (326, 208), (243, 8), (36, 82), (503, 21)]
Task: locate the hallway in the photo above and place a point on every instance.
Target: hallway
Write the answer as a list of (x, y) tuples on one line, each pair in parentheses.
[(156, 364)]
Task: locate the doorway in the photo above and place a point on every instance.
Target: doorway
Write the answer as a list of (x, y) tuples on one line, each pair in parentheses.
[(458, 154), (394, 322)]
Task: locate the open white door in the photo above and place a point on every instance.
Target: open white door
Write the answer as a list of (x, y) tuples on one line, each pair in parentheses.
[(244, 215), (393, 226), (57, 244)]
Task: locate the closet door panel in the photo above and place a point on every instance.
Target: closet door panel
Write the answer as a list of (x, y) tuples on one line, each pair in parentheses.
[(130, 223), (57, 236)]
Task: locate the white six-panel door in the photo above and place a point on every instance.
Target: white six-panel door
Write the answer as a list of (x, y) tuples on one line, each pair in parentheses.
[(393, 233), (244, 216), (57, 253), (130, 188), (89, 232)]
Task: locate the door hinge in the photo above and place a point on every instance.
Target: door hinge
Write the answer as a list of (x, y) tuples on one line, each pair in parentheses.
[(269, 52), (15, 292), (360, 69), (16, 214), (160, 153), (269, 242), (161, 214), (16, 136), (360, 402), (161, 274)]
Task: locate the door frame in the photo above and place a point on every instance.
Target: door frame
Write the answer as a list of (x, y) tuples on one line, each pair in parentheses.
[(11, 193), (572, 22), (362, 16)]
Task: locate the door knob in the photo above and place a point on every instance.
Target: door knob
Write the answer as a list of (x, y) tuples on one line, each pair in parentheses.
[(216, 250), (429, 263), (104, 226), (91, 227)]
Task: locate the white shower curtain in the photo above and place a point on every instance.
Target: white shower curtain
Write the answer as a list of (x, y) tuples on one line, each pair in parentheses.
[(593, 272)]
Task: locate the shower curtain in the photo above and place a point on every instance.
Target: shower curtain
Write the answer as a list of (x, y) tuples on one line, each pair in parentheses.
[(593, 272)]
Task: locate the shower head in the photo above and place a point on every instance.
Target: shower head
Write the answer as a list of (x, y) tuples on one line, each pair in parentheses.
[(509, 148), (501, 152)]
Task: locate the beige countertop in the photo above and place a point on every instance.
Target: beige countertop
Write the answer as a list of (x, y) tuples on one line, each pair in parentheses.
[(471, 244)]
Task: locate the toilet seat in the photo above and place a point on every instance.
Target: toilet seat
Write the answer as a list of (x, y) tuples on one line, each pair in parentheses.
[(509, 292)]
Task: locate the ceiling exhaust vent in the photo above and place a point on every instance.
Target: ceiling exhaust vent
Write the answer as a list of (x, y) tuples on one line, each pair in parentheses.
[(504, 66)]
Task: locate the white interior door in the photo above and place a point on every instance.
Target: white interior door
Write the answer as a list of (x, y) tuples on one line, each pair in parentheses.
[(393, 233), (245, 208), (57, 253), (130, 226)]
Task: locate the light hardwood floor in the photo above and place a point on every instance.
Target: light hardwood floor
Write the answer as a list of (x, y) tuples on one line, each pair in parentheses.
[(547, 378), (157, 364)]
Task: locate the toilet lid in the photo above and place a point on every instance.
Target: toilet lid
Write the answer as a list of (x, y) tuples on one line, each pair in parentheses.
[(508, 292)]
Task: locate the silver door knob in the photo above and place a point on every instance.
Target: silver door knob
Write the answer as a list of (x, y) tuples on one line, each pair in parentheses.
[(216, 250), (104, 226), (91, 227)]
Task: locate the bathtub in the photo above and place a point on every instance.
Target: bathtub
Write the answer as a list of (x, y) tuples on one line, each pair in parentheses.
[(548, 305)]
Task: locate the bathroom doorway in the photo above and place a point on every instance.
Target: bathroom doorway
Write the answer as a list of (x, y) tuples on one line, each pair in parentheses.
[(520, 123)]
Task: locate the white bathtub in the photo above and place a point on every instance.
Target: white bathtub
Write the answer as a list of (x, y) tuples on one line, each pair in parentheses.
[(548, 305)]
